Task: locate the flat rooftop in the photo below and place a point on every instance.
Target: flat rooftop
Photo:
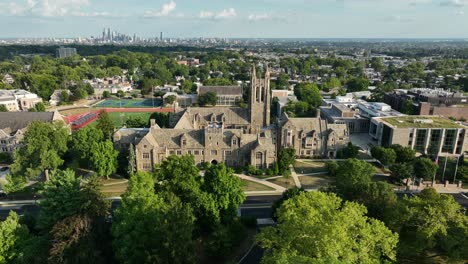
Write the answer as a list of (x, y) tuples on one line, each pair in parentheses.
[(421, 122)]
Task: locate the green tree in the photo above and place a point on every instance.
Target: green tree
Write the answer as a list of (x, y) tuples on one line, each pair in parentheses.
[(135, 122), (288, 194), (358, 84), (82, 142), (41, 150), (352, 177), (431, 224), (316, 227), (385, 155), (408, 107), (103, 158), (209, 98), (3, 108), (62, 198), (377, 64), (309, 93), (105, 124), (462, 173), (286, 157), (13, 239), (424, 168), (226, 189), (349, 152), (83, 237), (170, 99), (39, 107), (105, 94), (5, 158), (170, 242), (402, 171), (162, 119), (403, 154), (132, 168)]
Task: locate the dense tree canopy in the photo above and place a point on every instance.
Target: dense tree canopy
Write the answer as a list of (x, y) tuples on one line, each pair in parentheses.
[(431, 224), (152, 228), (315, 227), (42, 149)]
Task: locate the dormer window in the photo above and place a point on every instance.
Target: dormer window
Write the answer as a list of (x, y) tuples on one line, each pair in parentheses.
[(234, 141)]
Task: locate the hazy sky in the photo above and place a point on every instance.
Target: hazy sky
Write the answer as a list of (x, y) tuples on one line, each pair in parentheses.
[(236, 18)]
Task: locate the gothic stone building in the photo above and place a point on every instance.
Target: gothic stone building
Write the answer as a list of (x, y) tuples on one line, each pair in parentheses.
[(312, 136), (232, 135)]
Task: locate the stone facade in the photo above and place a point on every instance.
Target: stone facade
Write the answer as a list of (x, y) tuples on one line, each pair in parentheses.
[(210, 134), (312, 136), (232, 135)]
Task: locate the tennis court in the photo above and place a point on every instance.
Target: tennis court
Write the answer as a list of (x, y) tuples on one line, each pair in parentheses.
[(128, 103)]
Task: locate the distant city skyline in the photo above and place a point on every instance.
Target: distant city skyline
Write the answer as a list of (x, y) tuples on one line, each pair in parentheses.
[(236, 19)]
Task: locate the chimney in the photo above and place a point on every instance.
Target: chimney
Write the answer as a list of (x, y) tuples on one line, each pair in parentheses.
[(152, 123)]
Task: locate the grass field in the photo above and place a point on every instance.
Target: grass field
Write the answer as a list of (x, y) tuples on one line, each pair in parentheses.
[(129, 103), (119, 119), (285, 182), (114, 187), (250, 186), (313, 182), (309, 167)]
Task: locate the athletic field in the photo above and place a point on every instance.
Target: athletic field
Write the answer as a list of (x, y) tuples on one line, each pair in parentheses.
[(129, 103)]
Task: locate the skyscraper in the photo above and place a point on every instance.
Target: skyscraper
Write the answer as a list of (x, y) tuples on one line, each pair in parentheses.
[(161, 36)]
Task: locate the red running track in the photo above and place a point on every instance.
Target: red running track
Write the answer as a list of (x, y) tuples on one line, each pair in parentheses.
[(89, 117)]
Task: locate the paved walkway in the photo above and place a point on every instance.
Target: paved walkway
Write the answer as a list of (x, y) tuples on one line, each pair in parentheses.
[(277, 187), (295, 178), (439, 187)]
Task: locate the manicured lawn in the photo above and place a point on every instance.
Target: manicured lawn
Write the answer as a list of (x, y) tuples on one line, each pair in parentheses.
[(119, 119), (314, 181), (285, 182), (305, 167), (250, 186), (117, 188)]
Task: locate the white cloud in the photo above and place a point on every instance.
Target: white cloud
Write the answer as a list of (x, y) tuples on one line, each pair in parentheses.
[(397, 18), (53, 8), (227, 13), (207, 14), (165, 10), (454, 3), (224, 14), (258, 17)]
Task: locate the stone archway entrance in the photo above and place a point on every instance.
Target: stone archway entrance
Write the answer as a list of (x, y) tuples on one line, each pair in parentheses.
[(214, 162)]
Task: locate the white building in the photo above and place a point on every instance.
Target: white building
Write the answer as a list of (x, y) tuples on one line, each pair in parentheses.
[(18, 100)]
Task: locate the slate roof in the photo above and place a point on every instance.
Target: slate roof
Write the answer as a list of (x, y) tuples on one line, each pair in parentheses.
[(221, 90), (11, 122)]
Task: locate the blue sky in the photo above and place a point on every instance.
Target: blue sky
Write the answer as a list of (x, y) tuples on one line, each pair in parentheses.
[(237, 18)]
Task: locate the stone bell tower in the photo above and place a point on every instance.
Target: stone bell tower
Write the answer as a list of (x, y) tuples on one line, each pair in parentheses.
[(260, 101)]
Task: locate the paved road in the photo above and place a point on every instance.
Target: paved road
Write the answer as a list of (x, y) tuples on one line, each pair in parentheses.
[(256, 206)]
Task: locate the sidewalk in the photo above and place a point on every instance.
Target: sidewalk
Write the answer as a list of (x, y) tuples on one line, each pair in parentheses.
[(439, 187), (295, 178), (277, 187)]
